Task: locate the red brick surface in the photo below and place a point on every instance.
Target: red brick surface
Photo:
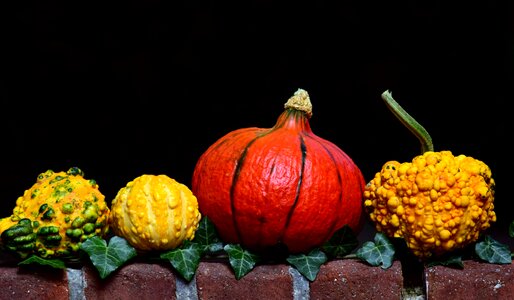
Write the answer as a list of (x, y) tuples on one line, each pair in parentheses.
[(132, 281), (217, 281), (33, 283), (476, 280), (353, 279), (338, 279)]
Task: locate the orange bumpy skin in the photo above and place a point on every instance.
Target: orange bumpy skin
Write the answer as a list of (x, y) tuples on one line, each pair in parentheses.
[(438, 202)]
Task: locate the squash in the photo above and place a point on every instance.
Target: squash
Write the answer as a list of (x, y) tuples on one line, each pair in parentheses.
[(437, 202), (279, 188), (154, 213), (54, 216)]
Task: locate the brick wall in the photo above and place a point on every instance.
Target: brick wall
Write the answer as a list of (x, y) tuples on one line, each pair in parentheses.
[(337, 279)]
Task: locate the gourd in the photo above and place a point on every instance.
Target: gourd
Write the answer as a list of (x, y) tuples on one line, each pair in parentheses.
[(53, 217), (282, 187), (437, 202), (154, 213)]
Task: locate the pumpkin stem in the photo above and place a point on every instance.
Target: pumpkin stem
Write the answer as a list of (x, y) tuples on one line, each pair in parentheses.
[(409, 122), (300, 101)]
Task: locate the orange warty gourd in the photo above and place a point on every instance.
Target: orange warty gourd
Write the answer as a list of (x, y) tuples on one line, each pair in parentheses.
[(265, 188)]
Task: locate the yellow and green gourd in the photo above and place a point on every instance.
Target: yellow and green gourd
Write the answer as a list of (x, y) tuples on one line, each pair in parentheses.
[(53, 217)]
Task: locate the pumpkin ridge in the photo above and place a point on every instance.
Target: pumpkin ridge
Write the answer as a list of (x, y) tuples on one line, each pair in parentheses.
[(303, 150), (237, 172), (339, 180), (361, 185)]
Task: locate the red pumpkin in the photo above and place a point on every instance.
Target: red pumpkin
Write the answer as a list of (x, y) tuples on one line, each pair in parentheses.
[(266, 187)]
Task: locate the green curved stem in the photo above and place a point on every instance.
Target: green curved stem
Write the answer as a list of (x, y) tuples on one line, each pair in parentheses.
[(409, 122)]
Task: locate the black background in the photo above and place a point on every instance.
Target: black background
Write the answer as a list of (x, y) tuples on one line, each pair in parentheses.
[(126, 88)]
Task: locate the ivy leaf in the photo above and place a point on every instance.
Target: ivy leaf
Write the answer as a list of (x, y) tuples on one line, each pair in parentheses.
[(308, 264), (455, 260), (105, 258), (341, 243), (185, 259), (493, 251), (207, 236), (381, 251), (241, 260), (54, 263), (511, 229)]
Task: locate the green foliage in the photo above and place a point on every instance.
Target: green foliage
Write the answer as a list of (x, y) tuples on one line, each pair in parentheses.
[(185, 259), (343, 242), (308, 264), (379, 252), (34, 259), (108, 258), (241, 260), (207, 236), (492, 251)]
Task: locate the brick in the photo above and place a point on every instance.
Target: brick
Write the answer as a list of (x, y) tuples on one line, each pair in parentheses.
[(217, 281), (33, 282), (477, 280), (337, 279), (354, 279), (132, 281)]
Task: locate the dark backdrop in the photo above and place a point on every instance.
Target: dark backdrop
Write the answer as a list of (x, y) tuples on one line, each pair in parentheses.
[(124, 88)]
